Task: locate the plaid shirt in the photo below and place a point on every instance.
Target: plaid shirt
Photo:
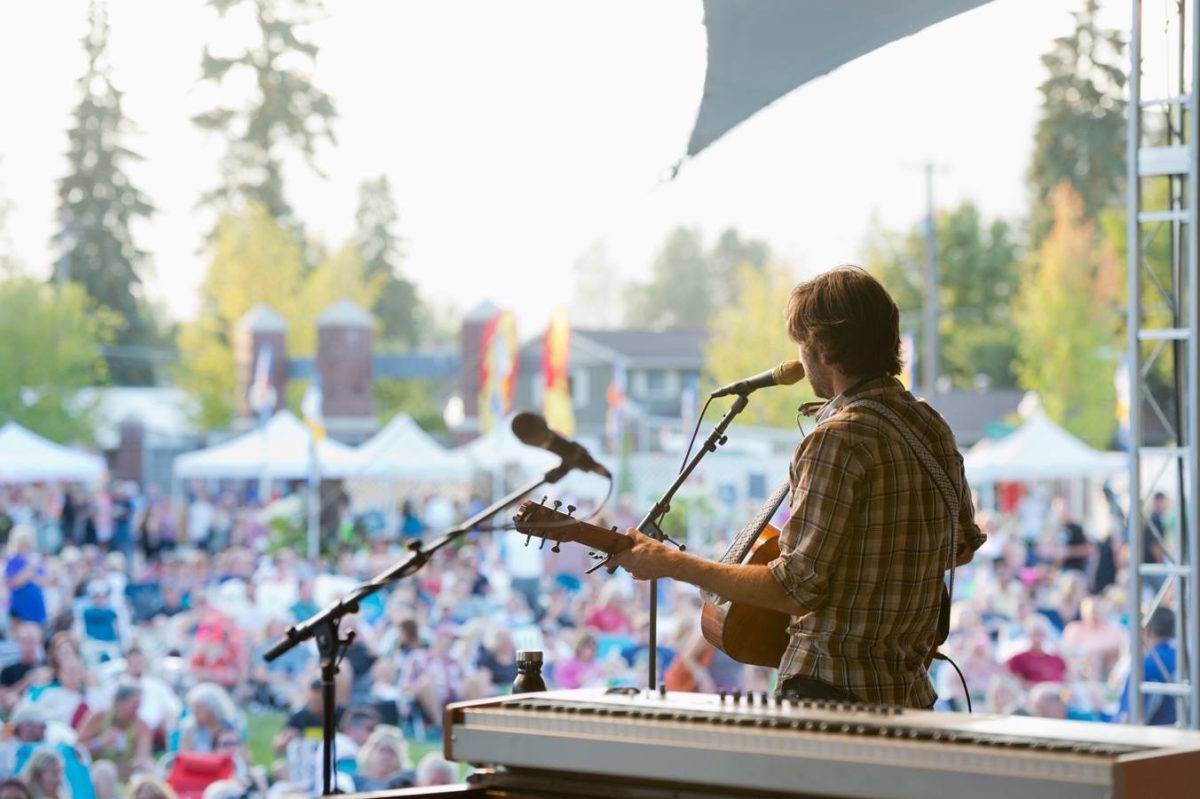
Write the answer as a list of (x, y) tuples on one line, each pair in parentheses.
[(866, 547)]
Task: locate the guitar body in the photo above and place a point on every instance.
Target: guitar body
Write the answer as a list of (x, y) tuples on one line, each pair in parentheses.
[(747, 633)]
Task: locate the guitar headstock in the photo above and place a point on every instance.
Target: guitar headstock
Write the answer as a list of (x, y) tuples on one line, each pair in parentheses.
[(548, 523)]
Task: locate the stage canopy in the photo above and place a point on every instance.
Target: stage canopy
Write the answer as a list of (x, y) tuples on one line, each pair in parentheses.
[(26, 457), (759, 51), (1038, 450), (280, 452), (402, 451)]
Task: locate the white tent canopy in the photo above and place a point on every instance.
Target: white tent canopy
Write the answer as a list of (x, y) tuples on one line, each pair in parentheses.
[(1038, 450), (402, 451), (26, 457), (279, 452)]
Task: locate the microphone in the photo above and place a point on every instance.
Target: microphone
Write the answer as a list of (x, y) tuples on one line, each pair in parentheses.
[(784, 374), (533, 431)]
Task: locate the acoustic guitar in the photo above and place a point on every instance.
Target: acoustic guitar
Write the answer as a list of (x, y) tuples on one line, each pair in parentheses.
[(746, 633)]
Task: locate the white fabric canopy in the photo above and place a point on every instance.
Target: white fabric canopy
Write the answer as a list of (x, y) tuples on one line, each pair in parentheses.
[(1038, 450), (759, 51), (26, 457), (403, 451), (280, 452)]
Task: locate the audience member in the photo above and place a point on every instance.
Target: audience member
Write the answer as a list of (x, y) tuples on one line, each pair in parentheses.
[(1036, 664), (1158, 665), (43, 773), (383, 761)]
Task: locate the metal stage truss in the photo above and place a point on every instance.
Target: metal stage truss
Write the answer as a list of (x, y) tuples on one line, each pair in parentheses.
[(1163, 332)]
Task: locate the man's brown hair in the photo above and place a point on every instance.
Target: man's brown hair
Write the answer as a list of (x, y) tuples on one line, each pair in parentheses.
[(850, 317)]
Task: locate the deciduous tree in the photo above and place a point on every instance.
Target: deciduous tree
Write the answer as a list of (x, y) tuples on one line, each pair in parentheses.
[(749, 336), (978, 269), (1068, 324), (258, 260), (50, 347)]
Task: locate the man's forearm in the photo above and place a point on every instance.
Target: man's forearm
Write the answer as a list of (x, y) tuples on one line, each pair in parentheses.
[(744, 583)]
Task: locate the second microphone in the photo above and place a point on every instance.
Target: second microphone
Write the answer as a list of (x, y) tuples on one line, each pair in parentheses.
[(533, 431)]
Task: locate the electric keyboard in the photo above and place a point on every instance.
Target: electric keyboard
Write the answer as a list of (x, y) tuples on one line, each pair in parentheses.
[(652, 744)]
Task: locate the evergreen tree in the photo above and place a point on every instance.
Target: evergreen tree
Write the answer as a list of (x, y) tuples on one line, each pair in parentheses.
[(596, 294), (98, 205), (729, 254), (689, 285), (398, 307), (286, 109), (1081, 134)]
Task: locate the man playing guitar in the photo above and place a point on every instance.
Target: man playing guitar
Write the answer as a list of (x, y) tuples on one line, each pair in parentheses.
[(874, 522)]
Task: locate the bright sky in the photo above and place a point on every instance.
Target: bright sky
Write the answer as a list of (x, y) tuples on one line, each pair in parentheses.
[(516, 134)]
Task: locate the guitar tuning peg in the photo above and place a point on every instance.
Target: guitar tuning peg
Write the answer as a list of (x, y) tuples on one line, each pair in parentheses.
[(613, 528), (528, 538), (570, 509), (556, 547), (542, 545), (544, 498), (557, 504)]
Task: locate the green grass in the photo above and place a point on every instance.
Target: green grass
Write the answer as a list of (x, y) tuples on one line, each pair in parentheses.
[(262, 727)]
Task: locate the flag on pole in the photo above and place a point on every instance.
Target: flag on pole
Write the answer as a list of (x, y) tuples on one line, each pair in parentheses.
[(261, 396), (310, 406), (614, 417), (1121, 382), (556, 394), (497, 369)]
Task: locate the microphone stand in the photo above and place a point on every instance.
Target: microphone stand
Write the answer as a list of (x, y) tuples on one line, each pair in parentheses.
[(323, 625), (651, 524)]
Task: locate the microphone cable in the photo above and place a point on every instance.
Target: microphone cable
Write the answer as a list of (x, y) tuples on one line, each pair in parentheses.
[(695, 432)]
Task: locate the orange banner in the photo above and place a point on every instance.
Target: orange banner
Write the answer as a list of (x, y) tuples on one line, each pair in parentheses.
[(497, 369), (556, 393)]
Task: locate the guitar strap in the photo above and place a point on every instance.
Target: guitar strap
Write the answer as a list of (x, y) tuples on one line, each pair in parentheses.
[(949, 497), (932, 467), (743, 542)]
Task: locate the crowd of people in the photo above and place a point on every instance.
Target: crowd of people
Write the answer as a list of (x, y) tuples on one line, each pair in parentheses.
[(133, 647)]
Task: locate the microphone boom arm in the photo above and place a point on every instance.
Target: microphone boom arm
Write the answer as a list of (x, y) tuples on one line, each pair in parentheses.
[(650, 525)]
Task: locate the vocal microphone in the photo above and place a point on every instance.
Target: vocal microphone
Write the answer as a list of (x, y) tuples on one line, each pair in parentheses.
[(784, 374), (533, 431)]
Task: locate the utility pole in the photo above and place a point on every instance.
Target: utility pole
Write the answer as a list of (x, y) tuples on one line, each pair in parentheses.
[(929, 360)]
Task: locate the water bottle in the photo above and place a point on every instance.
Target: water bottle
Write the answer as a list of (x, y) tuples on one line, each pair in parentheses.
[(529, 672)]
